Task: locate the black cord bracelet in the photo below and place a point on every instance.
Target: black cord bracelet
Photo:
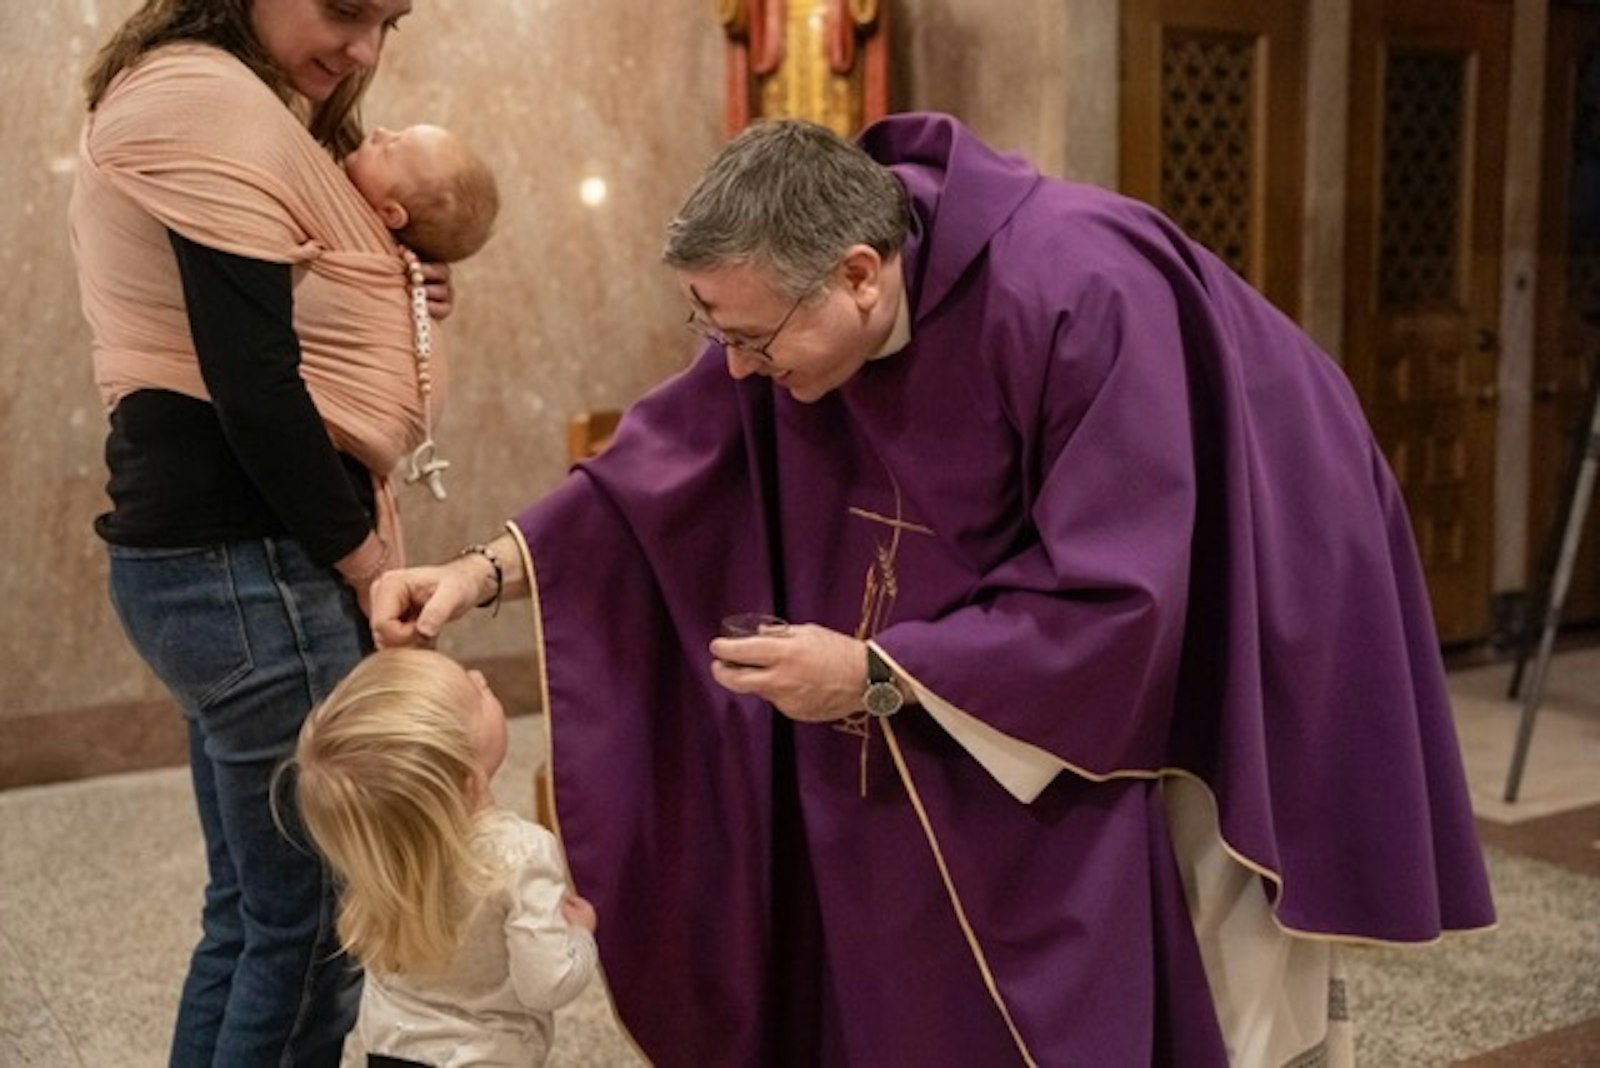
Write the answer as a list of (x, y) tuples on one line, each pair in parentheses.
[(493, 600)]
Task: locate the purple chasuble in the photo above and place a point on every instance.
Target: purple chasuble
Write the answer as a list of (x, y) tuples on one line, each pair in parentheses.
[(1108, 501)]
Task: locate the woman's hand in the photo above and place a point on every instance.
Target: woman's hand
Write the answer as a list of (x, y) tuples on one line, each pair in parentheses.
[(441, 292), (361, 567), (809, 673)]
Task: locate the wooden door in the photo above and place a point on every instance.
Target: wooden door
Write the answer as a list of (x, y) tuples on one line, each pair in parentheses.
[(1213, 106), (1567, 342), (1427, 150)]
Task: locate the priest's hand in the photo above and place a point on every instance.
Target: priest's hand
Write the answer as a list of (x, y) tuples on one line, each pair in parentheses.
[(411, 605), (809, 673)]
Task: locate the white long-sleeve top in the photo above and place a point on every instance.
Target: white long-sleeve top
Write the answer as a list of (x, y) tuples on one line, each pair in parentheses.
[(518, 962)]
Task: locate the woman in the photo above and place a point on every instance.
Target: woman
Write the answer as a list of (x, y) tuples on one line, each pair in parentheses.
[(263, 368)]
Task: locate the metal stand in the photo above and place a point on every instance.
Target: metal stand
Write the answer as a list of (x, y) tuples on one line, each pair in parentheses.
[(1577, 511), (1538, 599)]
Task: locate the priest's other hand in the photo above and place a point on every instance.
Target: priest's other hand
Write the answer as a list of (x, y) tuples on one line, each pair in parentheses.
[(809, 673)]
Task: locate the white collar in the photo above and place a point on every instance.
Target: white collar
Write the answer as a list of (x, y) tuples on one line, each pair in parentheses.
[(900, 336)]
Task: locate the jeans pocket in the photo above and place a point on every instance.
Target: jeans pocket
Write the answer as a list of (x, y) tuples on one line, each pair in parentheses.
[(182, 614)]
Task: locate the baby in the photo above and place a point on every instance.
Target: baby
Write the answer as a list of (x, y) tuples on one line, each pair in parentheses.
[(429, 188)]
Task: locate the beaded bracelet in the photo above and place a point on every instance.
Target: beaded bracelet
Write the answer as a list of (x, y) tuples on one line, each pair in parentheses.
[(499, 575), (367, 577)]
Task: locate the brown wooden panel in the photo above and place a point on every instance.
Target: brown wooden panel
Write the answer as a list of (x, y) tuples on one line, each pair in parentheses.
[(1213, 105), (589, 432), (1427, 151)]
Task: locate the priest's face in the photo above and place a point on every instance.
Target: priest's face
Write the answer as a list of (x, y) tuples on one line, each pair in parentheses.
[(809, 347)]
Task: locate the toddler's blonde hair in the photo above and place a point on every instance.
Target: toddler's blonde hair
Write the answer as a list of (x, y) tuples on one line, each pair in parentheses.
[(386, 777)]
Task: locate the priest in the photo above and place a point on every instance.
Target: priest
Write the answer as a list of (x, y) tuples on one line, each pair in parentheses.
[(1108, 708)]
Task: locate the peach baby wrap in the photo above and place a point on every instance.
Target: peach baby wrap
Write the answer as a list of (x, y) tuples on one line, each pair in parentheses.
[(190, 140)]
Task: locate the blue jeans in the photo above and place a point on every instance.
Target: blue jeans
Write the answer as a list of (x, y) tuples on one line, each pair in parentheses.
[(248, 636)]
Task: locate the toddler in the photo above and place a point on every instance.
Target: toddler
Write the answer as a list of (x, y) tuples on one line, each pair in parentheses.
[(458, 909)]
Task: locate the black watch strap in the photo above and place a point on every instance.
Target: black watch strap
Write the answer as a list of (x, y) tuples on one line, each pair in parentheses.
[(877, 669), (883, 697)]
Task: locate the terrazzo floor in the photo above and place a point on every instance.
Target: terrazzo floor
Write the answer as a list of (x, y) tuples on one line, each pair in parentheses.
[(100, 881)]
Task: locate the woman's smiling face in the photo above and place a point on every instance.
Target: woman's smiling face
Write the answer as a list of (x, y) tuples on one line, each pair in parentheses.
[(319, 43)]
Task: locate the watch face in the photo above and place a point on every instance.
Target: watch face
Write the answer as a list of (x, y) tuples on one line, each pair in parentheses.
[(883, 699)]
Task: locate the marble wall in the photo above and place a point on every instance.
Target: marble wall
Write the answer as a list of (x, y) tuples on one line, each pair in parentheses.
[(1041, 80), (565, 309)]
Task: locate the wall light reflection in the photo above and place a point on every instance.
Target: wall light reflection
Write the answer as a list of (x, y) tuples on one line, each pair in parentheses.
[(592, 191)]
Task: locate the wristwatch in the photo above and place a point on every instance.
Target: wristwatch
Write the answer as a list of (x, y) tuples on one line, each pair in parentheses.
[(883, 698)]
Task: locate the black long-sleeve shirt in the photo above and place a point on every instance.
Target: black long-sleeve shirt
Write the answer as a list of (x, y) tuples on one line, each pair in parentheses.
[(257, 460)]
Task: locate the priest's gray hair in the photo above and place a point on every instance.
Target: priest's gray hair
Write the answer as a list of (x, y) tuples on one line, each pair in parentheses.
[(791, 197)]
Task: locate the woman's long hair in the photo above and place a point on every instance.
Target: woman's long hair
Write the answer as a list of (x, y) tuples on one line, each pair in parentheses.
[(385, 777), (336, 122)]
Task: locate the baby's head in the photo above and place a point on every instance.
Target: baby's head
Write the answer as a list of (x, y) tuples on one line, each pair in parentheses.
[(429, 188)]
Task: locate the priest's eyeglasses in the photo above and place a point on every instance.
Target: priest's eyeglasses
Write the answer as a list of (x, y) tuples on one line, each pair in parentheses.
[(760, 351)]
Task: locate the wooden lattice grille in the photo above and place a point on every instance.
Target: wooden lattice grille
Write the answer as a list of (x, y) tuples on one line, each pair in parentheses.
[(1423, 151), (1208, 138)]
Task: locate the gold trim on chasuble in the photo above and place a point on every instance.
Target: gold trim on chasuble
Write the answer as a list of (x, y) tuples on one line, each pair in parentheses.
[(879, 590), (544, 787)]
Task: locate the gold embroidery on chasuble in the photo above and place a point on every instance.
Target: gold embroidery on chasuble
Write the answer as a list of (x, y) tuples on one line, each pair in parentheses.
[(879, 589)]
